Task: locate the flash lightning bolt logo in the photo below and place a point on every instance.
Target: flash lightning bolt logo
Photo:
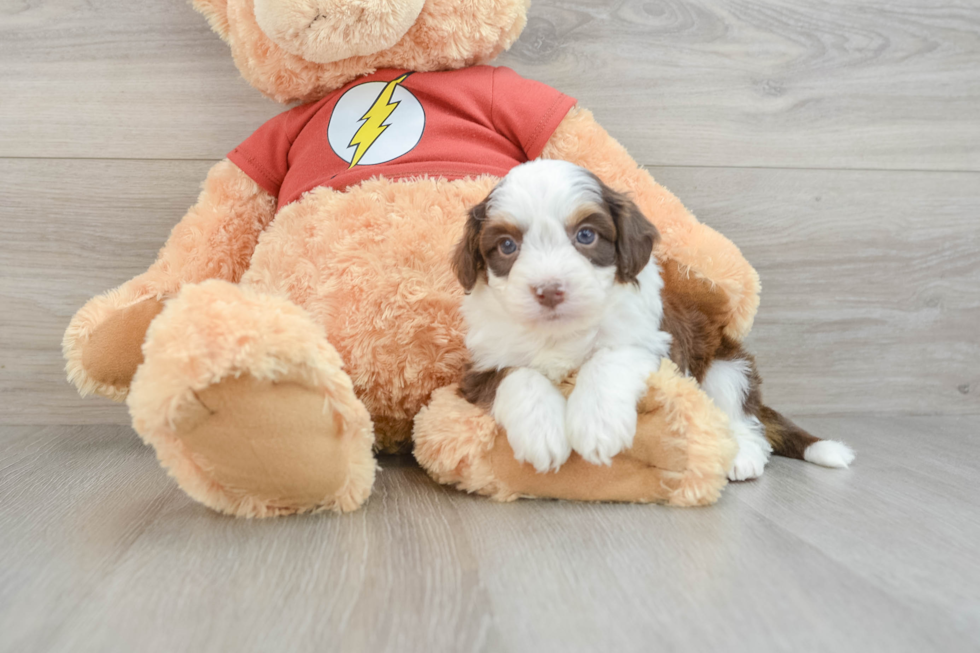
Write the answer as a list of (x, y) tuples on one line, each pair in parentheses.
[(373, 120)]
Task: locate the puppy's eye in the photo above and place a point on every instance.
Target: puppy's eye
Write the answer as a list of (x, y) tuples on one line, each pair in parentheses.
[(507, 246), (585, 236)]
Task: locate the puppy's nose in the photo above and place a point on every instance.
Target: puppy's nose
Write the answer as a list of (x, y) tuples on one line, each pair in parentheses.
[(549, 294)]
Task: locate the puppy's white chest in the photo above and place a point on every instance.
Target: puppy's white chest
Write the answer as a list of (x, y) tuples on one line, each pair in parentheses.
[(555, 365)]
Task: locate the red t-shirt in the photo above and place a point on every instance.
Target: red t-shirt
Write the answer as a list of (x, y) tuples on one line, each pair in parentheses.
[(461, 123)]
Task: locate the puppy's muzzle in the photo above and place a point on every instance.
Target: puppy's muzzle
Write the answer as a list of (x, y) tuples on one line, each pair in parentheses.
[(549, 295)]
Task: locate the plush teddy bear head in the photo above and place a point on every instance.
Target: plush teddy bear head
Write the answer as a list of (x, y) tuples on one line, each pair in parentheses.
[(301, 50)]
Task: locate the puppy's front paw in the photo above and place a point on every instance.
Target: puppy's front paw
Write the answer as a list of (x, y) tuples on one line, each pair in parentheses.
[(599, 429), (541, 441), (532, 411)]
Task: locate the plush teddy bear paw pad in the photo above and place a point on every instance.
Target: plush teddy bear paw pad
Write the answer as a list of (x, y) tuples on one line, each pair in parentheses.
[(275, 442)]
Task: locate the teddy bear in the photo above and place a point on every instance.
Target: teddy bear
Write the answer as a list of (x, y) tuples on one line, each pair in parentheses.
[(303, 315)]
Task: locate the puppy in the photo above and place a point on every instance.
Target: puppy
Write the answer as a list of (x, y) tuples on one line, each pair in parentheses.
[(559, 275)]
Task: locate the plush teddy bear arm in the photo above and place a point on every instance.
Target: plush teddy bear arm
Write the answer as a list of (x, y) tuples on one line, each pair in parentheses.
[(215, 240), (705, 260)]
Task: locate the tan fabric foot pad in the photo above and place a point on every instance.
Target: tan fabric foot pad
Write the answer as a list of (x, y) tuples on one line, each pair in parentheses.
[(273, 441), (114, 350)]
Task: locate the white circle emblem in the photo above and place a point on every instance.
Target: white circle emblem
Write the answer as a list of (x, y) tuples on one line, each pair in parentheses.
[(375, 122)]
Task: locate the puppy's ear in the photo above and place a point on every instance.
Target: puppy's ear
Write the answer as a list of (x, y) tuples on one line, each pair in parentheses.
[(468, 261), (635, 235)]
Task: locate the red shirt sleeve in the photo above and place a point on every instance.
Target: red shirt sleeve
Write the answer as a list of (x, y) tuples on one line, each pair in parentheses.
[(526, 112), (264, 156)]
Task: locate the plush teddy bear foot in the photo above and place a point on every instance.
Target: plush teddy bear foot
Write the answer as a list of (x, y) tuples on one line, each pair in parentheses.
[(103, 342), (248, 408)]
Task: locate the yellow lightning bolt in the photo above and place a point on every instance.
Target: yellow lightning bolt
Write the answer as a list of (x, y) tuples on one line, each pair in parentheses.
[(373, 124)]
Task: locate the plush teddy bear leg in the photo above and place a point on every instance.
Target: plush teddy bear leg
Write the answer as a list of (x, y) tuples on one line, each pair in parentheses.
[(247, 406), (680, 455)]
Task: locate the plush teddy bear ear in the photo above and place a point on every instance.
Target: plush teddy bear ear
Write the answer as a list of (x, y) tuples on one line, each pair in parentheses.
[(216, 11)]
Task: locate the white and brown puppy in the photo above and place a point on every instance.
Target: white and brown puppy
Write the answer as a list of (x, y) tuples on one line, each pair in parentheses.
[(559, 276)]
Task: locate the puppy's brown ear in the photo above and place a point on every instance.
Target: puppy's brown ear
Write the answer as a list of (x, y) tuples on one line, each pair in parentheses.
[(468, 261), (635, 235)]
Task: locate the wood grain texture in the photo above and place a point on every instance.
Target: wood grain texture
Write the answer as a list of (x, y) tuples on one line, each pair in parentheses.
[(871, 283), (111, 78), (871, 280), (102, 553), (778, 83), (775, 83), (69, 230)]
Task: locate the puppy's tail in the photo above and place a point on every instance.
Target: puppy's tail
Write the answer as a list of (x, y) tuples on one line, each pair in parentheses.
[(789, 440)]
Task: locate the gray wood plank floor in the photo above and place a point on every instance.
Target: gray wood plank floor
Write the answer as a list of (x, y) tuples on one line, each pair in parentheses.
[(837, 142), (102, 553)]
